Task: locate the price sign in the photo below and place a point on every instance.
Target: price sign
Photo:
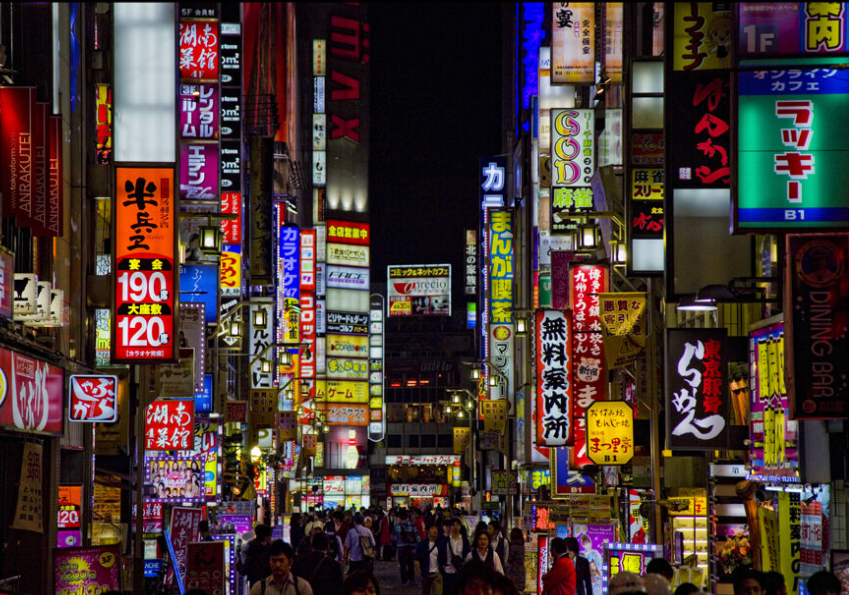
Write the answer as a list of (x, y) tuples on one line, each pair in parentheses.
[(70, 502), (144, 265)]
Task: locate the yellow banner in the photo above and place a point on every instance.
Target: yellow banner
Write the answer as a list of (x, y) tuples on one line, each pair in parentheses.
[(610, 432), (769, 539), (647, 183), (231, 272), (621, 314), (462, 436), (703, 38), (341, 391), (789, 535), (620, 351), (494, 416), (29, 513)]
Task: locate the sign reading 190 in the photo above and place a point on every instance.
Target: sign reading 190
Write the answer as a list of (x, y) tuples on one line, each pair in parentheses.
[(144, 314)]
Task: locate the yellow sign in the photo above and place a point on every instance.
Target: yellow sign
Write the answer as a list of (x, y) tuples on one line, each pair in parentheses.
[(341, 391), (494, 416), (462, 436), (769, 539), (346, 368), (696, 506), (789, 515), (231, 272), (621, 314), (647, 183), (401, 308), (347, 345), (375, 403), (703, 38), (610, 432)]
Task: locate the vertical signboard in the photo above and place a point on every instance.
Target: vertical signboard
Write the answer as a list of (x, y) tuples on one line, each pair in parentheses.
[(260, 341), (554, 377), (792, 146), (573, 43), (818, 335), (703, 36), (773, 435), (696, 388), (501, 326), (144, 265), (586, 282), (470, 267), (17, 153), (377, 408)]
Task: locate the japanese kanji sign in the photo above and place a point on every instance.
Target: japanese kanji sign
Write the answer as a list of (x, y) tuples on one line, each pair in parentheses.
[(589, 381), (790, 28), (773, 448), (169, 425), (29, 512), (818, 333), (235, 411), (205, 566), (494, 415), (573, 43), (462, 437), (500, 295), (199, 49), (145, 284), (32, 394), (504, 482), (696, 389), (793, 145), (554, 377), (621, 313), (263, 407), (572, 153), (93, 398), (610, 433), (348, 232)]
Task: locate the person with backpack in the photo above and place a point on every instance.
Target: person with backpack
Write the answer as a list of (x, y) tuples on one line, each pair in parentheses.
[(282, 581), (335, 549), (431, 557), (323, 573), (255, 565), (359, 547), (407, 537), (482, 552)]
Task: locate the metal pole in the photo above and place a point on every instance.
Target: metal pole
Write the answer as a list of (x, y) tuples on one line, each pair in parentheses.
[(138, 543)]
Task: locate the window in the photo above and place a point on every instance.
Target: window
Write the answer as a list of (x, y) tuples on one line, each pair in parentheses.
[(428, 441), (414, 440), (394, 441), (445, 440)]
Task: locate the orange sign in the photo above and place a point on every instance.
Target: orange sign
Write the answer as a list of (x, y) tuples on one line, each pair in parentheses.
[(345, 414), (145, 277)]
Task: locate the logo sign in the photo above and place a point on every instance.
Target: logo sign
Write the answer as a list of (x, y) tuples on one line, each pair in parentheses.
[(421, 290), (819, 332), (773, 434), (199, 108), (339, 277), (554, 377), (145, 296), (572, 162), (17, 153), (199, 49), (493, 180), (610, 433), (347, 345), (93, 398), (199, 169), (703, 37), (348, 232), (697, 374), (340, 391), (798, 152), (169, 424), (346, 368)]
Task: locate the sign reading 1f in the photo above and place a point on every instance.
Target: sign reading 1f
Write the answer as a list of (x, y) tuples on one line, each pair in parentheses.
[(572, 137)]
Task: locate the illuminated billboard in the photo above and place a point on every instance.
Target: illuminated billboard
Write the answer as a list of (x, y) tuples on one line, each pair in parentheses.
[(419, 290)]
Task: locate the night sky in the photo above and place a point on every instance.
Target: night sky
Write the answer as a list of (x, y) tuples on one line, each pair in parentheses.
[(436, 108)]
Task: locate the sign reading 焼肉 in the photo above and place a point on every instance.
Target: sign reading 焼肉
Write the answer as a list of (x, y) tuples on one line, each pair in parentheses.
[(145, 283)]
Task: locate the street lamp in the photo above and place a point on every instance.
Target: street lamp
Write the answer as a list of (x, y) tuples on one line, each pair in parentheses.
[(260, 318), (210, 239), (235, 329)]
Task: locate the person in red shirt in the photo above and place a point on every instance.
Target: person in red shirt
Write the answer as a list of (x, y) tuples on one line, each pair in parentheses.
[(420, 524), (561, 579)]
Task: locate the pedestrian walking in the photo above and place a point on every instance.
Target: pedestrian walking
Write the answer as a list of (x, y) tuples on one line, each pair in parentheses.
[(323, 573), (384, 531), (499, 544), (583, 578), (561, 579), (457, 548), (516, 559), (281, 581), (431, 558), (255, 564), (407, 537), (482, 552), (359, 546)]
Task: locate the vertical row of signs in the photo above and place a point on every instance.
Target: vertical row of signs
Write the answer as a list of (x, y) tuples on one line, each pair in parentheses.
[(377, 407), (500, 252)]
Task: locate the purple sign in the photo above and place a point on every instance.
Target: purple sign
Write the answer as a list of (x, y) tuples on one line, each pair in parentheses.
[(241, 523), (87, 569), (591, 539), (199, 172), (775, 28), (199, 108), (560, 260)]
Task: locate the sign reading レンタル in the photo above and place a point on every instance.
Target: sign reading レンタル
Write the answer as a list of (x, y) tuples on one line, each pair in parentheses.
[(145, 294), (610, 433)]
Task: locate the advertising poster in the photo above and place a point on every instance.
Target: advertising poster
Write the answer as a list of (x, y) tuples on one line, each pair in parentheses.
[(768, 29), (205, 567), (16, 153), (818, 333), (31, 394), (199, 284), (183, 530), (87, 570), (68, 516), (696, 383), (573, 43), (591, 540), (145, 326), (419, 290), (703, 37)]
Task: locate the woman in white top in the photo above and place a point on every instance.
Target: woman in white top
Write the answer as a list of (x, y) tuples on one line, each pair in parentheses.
[(482, 552)]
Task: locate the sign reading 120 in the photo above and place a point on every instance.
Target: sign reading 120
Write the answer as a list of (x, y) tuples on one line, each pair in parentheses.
[(144, 264)]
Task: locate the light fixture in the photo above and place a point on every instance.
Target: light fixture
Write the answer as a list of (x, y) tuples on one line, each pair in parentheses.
[(618, 252), (210, 239), (476, 373), (448, 410), (260, 318), (493, 380), (290, 394), (325, 428), (256, 453), (470, 405), (689, 303), (235, 328), (285, 358), (456, 399), (265, 366), (460, 414), (521, 325), (587, 237), (182, 253)]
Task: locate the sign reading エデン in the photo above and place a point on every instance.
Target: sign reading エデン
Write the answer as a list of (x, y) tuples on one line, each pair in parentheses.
[(144, 265)]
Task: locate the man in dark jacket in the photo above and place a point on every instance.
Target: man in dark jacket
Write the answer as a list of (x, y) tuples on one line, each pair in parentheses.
[(431, 557), (583, 580), (323, 573), (256, 565)]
